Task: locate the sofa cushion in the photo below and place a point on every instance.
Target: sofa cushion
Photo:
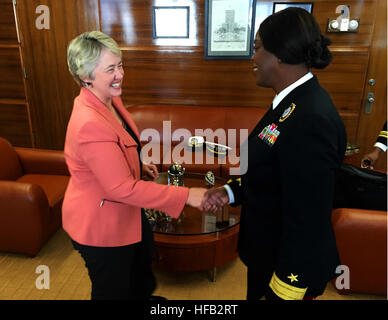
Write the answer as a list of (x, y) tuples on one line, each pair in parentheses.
[(166, 129), (162, 122), (54, 186)]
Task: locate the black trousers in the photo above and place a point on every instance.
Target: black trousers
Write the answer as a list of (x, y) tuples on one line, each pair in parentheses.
[(121, 273)]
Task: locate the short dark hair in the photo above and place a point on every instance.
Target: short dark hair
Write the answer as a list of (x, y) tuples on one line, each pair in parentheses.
[(294, 36)]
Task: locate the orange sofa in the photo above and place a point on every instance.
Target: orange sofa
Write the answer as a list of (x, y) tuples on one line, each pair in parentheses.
[(32, 187), (361, 237), (159, 127)]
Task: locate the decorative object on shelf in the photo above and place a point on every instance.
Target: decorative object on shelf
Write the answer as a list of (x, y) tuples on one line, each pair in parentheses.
[(343, 23), (196, 143), (229, 27), (175, 174), (217, 149), (351, 149)]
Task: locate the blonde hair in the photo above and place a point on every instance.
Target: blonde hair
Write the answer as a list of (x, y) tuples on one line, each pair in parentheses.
[(84, 51)]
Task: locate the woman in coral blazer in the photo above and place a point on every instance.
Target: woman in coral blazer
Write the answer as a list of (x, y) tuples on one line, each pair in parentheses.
[(102, 209)]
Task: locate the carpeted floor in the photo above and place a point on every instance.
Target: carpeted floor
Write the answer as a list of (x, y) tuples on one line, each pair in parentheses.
[(69, 279)]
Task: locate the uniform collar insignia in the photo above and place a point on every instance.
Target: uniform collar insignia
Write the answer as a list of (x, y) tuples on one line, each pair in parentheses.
[(287, 112)]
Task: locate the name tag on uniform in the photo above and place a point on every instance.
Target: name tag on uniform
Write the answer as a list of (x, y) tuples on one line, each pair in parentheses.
[(269, 134)]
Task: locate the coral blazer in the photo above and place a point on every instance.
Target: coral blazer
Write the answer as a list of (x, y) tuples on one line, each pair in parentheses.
[(103, 201)]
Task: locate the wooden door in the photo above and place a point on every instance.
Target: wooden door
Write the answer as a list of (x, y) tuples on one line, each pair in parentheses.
[(14, 111), (371, 124), (50, 88)]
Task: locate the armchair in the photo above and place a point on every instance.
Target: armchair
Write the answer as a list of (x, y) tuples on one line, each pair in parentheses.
[(362, 244), (32, 186)]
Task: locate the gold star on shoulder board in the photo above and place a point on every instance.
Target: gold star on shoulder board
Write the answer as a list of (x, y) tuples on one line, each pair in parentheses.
[(293, 278)]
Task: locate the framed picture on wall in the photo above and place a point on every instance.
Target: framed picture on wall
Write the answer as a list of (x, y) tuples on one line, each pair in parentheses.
[(170, 22), (229, 28), (278, 6)]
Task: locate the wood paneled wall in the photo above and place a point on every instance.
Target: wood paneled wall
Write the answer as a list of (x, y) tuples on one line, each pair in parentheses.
[(179, 74), (50, 88), (158, 70), (14, 109)]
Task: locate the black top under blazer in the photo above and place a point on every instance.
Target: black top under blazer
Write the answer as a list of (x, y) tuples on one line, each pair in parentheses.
[(287, 192)]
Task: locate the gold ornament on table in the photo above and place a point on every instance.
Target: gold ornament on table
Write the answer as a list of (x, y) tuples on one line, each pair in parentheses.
[(175, 175), (210, 179), (155, 216), (175, 178)]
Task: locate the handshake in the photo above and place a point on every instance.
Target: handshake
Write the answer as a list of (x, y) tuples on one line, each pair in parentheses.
[(209, 200)]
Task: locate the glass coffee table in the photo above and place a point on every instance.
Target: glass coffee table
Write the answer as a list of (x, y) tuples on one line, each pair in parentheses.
[(196, 240)]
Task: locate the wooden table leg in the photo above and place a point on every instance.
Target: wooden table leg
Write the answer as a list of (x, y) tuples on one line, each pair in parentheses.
[(213, 274)]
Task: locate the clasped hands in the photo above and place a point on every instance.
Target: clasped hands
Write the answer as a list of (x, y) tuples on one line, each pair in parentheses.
[(209, 200)]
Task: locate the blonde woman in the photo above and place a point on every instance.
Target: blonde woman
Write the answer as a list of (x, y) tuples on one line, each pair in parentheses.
[(102, 209)]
